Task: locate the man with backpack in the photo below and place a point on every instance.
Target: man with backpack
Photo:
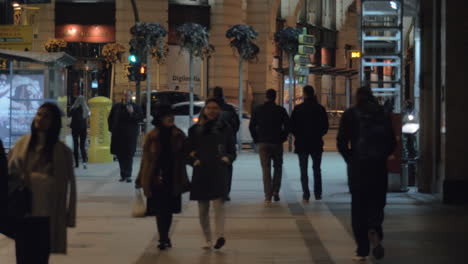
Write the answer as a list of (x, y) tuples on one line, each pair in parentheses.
[(229, 116), (366, 140)]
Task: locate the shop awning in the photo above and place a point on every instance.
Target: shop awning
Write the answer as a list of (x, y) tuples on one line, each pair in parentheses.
[(61, 59)]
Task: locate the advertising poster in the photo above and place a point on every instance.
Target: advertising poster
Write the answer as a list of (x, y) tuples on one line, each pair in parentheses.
[(178, 66), (19, 103)]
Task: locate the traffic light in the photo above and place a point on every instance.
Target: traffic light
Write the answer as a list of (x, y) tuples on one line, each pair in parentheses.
[(134, 56), (142, 73), (133, 73), (136, 71)]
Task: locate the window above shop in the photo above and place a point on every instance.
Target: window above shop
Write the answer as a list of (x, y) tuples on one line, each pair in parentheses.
[(85, 13), (181, 14)]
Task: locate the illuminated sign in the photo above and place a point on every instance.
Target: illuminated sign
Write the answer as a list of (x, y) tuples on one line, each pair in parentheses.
[(307, 39), (355, 54), (86, 33), (302, 59), (304, 49)]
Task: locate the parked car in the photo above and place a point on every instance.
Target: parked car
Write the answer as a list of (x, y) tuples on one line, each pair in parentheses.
[(166, 97), (181, 111)]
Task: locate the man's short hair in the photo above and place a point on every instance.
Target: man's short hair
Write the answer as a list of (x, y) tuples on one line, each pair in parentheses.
[(271, 94), (218, 92), (308, 91)]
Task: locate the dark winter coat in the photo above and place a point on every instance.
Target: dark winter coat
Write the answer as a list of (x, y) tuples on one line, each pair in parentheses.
[(347, 140), (209, 143), (78, 124), (3, 188), (309, 123), (230, 116), (124, 128), (270, 124), (151, 162)]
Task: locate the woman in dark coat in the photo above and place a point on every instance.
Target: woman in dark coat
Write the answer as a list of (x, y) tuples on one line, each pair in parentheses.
[(212, 149), (163, 175), (79, 114)]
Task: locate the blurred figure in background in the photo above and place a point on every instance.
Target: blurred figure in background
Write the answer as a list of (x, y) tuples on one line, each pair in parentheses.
[(270, 127), (230, 116), (309, 123), (79, 113), (123, 122)]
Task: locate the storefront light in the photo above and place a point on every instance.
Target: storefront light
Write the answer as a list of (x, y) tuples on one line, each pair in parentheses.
[(15, 4), (394, 5)]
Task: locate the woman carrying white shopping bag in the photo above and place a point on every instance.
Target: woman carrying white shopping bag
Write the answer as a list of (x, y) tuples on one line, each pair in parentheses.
[(163, 174)]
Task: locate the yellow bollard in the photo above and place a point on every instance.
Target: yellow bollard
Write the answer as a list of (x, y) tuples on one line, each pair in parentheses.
[(99, 150)]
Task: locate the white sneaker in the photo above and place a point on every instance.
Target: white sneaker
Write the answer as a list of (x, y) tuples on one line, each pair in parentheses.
[(85, 166), (207, 245)]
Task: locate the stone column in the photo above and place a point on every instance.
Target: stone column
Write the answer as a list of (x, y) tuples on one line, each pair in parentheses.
[(427, 169), (455, 188), (46, 29), (223, 69), (263, 20)]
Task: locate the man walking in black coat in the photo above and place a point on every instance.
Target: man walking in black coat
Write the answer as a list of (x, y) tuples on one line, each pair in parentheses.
[(309, 123), (123, 124), (229, 116), (366, 140), (270, 128)]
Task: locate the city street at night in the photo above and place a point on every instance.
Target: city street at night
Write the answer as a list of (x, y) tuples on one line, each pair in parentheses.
[(233, 132)]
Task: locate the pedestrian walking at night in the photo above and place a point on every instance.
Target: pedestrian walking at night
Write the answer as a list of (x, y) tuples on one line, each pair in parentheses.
[(270, 127), (45, 166), (163, 175), (123, 121), (212, 150), (230, 116), (79, 113), (309, 123), (366, 140)]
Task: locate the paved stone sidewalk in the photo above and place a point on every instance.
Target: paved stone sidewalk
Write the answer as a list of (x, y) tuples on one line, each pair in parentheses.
[(419, 229)]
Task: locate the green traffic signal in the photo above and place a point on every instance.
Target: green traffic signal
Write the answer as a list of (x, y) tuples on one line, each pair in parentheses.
[(132, 58)]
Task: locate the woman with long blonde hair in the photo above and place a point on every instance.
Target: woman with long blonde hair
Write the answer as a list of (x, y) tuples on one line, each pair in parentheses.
[(79, 113)]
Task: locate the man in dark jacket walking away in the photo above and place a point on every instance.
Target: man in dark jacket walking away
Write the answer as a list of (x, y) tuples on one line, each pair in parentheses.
[(123, 124), (229, 116), (366, 140), (270, 128), (309, 123)]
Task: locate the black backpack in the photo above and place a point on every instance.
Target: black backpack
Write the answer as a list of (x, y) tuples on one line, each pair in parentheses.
[(375, 134)]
